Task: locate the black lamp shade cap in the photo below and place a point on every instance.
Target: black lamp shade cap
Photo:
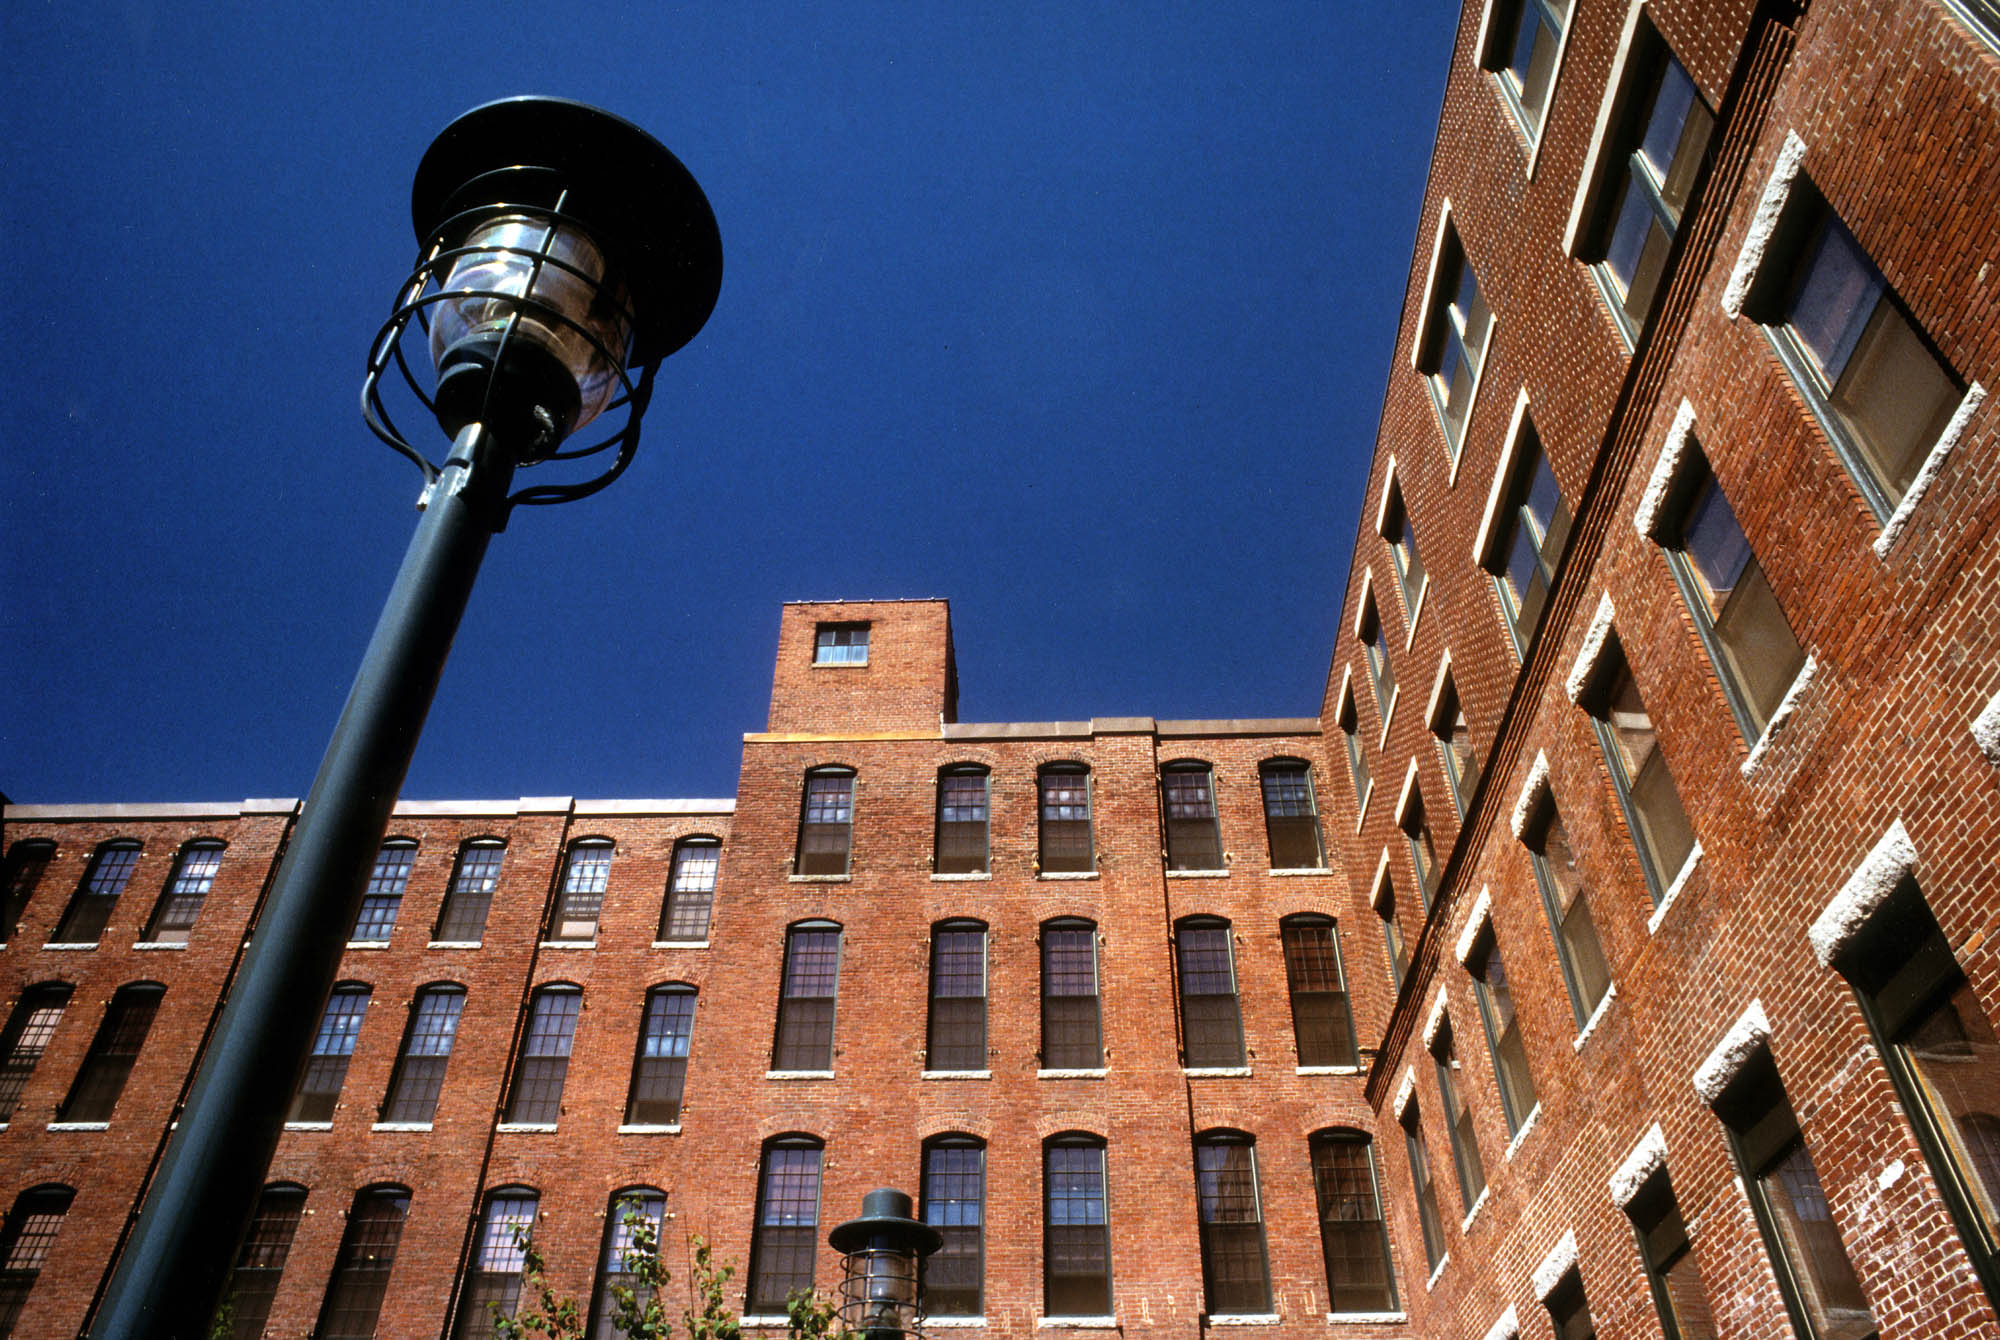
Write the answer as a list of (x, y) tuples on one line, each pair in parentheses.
[(886, 1218), (634, 198)]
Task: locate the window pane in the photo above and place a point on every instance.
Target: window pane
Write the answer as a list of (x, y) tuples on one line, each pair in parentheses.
[(826, 824), (1503, 1034), (361, 1270), (1896, 396), (260, 1262), (326, 1068), (413, 1092), (1670, 1263), (1235, 1276), (1071, 1038), (1211, 1023), (113, 1052), (1832, 1296), (785, 1237), (958, 1000), (1077, 1243), (805, 1009), (383, 898), (961, 823), (1838, 290), (88, 912), (691, 891), (1532, 67), (1564, 894), (1193, 841), (544, 1064), (660, 1070), (1465, 1155), (1065, 821), (954, 1204), (26, 863), (1321, 1021), (582, 900), (29, 1029), (841, 644), (25, 1243), (630, 1210), (1661, 828), (180, 905), (1426, 1189), (493, 1284), (1291, 819), (1353, 1237)]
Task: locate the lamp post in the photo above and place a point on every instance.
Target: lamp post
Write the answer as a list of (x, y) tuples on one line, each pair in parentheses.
[(881, 1283), (562, 251)]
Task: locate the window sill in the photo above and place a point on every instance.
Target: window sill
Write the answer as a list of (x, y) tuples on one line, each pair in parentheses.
[(673, 1128), (1243, 1319), (680, 944), (308, 1125), (1388, 717), (400, 1126), (1520, 1136), (798, 1074), (1596, 1017), (1674, 890), (763, 1320), (1097, 1073), (1076, 1323), (1197, 874), (1614, 306), (525, 1128), (1478, 1204), (1436, 1271), (960, 877), (956, 1074), (1066, 874), (1367, 1318), (835, 665), (367, 944), (1788, 707), (819, 879), (1216, 1071), (1329, 1070), (569, 944), (79, 1126), (64, 945), (1282, 872), (159, 944), (1361, 808), (935, 1322), (455, 944), (1417, 608)]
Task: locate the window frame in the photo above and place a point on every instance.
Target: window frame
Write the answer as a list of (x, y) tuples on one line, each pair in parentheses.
[(104, 1070), (938, 1024), (1065, 860), (1088, 930), (1083, 1241), (1546, 820), (454, 924), (1228, 1018), (1443, 326), (760, 1274), (1509, 527), (1498, 48), (1348, 718), (48, 1201), (648, 1203), (23, 1022), (1305, 823), (936, 1210), (1375, 655), (1346, 1137), (1414, 821), (363, 1269), (180, 901), (783, 1025), (1430, 1216), (95, 902), (1339, 1003), (543, 1105), (260, 1259), (1468, 1160), (696, 901), (1399, 533), (668, 1068), (1660, 1232), (1187, 839), (324, 1077), (835, 642), (1447, 723), (27, 864), (826, 829), (1597, 702), (381, 905), (1212, 1197), (953, 795), (494, 1269), (410, 1078), (578, 907), (1506, 1040)]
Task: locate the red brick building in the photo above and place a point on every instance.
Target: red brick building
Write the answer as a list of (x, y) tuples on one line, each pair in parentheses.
[(1612, 955)]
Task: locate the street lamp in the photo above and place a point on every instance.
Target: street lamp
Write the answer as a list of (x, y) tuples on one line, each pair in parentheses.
[(562, 251), (881, 1284)]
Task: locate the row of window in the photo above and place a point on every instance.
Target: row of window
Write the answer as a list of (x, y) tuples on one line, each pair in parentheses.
[(963, 839)]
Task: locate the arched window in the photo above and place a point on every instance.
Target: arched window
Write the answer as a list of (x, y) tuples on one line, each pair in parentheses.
[(1211, 1020), (113, 1052), (691, 889), (493, 1279), (1353, 1237), (361, 1269), (1064, 841), (631, 1210), (1076, 1228), (462, 919), (1072, 1022), (27, 1035), (957, 1039), (585, 876), (544, 1061), (1322, 1022), (961, 847), (260, 1262), (954, 1203), (785, 1238), (420, 1066), (1187, 794), (187, 889), (333, 1045), (1235, 1270), (826, 822), (810, 990), (26, 1239), (660, 1069), (1291, 815), (110, 870), (26, 863), (382, 901)]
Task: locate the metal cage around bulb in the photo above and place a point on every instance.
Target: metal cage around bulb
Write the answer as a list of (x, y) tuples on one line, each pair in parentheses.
[(883, 1254), (563, 254)]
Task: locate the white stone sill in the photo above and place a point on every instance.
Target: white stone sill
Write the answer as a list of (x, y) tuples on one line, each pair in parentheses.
[(672, 1129), (1328, 1070), (455, 944), (1366, 1318), (1417, 609), (1216, 1072), (159, 944), (798, 1074), (367, 944), (308, 1125), (680, 944), (66, 946), (947, 1323), (1098, 1073), (1674, 890), (569, 944), (401, 1126), (1076, 1323), (1478, 1204), (526, 1128), (1052, 874), (79, 1126), (761, 1320), (1243, 1319), (1527, 1124), (1197, 874), (1293, 870), (955, 1074), (1596, 1018), (818, 879), (967, 877), (1436, 1271)]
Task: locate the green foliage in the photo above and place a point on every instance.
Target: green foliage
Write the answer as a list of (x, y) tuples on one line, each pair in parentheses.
[(223, 1326), (542, 1311), (810, 1317), (707, 1316)]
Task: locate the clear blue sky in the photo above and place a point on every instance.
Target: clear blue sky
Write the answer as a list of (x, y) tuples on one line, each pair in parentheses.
[(1078, 315)]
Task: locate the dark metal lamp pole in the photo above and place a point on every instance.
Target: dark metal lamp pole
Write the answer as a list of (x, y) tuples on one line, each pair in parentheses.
[(881, 1281), (564, 250)]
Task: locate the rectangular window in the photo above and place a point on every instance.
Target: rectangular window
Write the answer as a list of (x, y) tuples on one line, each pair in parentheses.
[(26, 1239), (1748, 639), (1465, 1155), (806, 1004), (1357, 756), (1235, 1271), (1870, 374), (1530, 532), (113, 1052), (1456, 327), (691, 890), (631, 1211), (840, 644), (470, 896), (1455, 749), (1425, 1187), (84, 921), (1392, 933), (1322, 1023), (1076, 1244), (1402, 538), (1566, 899), (582, 899), (1071, 1035), (785, 1239), (660, 1070), (1381, 674), (954, 1197), (1814, 1273), (1065, 845), (544, 1062), (1655, 157), (1518, 1099), (826, 823), (419, 1077), (1211, 1021), (1194, 842), (333, 1044), (1416, 826), (961, 822), (957, 1038), (29, 1029), (361, 1269), (1569, 1310), (493, 1284), (260, 1262), (1521, 50), (383, 900), (1353, 1237), (1639, 776), (1672, 1272), (180, 905), (1291, 816), (26, 864)]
